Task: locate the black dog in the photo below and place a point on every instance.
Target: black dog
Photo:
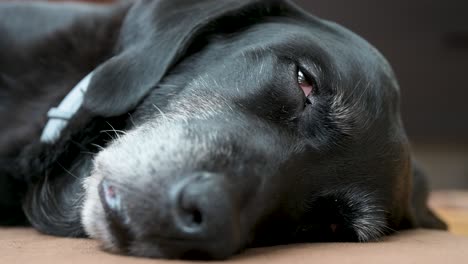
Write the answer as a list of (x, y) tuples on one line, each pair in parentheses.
[(205, 127)]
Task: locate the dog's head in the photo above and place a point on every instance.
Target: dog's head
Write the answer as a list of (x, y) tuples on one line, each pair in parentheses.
[(255, 124)]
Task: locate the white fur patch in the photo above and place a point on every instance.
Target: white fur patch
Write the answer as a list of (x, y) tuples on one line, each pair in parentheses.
[(144, 151)]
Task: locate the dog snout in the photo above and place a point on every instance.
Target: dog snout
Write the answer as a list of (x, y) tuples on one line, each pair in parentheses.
[(202, 216), (193, 189)]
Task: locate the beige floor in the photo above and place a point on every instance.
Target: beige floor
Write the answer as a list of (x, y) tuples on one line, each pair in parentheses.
[(417, 246), (453, 208)]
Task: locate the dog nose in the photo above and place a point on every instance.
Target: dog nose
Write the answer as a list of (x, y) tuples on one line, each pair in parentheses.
[(204, 213), (202, 221)]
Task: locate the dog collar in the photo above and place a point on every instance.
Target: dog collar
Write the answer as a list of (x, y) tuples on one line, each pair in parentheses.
[(58, 117)]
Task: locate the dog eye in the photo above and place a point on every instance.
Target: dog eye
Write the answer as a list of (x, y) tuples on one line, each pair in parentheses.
[(306, 86)]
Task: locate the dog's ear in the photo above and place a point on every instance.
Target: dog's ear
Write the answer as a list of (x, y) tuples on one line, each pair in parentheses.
[(423, 216), (156, 35)]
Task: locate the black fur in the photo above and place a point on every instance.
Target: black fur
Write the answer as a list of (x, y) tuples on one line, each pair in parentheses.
[(338, 159)]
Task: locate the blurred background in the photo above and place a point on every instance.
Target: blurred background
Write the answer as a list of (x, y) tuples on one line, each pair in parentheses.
[(426, 42)]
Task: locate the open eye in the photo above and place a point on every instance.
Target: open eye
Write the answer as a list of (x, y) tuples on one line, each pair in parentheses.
[(306, 86)]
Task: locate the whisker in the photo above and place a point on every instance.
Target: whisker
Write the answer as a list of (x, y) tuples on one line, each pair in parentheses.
[(161, 112), (97, 146), (110, 135), (69, 172), (115, 131), (131, 119)]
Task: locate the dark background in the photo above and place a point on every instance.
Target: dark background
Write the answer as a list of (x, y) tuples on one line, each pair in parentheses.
[(427, 44)]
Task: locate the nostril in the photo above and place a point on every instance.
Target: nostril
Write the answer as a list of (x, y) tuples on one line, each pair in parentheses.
[(196, 217), (189, 211), (193, 217), (110, 196), (112, 202)]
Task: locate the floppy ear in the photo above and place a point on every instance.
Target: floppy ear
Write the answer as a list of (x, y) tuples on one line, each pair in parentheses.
[(422, 214), (156, 35)]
